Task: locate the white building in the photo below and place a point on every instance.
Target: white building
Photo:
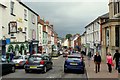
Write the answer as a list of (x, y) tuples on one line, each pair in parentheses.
[(93, 35), (2, 37), (19, 25), (83, 41)]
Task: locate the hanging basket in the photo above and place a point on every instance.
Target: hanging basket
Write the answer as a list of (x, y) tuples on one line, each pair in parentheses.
[(20, 29)]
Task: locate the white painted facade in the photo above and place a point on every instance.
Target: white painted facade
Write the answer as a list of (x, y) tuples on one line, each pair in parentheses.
[(2, 11), (32, 26), (19, 18), (93, 36), (25, 18), (40, 33), (83, 39)]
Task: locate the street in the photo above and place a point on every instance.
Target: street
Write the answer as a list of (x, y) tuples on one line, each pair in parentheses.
[(56, 72)]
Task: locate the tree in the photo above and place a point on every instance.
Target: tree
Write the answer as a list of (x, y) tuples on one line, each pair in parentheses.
[(68, 36)]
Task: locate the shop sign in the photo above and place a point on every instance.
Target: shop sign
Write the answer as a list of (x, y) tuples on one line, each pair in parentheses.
[(19, 20), (13, 27), (8, 41)]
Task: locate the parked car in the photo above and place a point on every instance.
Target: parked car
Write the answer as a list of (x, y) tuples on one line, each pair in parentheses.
[(6, 66), (74, 62), (38, 62), (20, 60)]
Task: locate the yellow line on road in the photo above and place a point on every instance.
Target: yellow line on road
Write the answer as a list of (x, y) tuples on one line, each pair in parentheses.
[(55, 58)]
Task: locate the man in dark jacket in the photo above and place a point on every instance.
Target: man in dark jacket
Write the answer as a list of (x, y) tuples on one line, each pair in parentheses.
[(116, 57), (97, 60)]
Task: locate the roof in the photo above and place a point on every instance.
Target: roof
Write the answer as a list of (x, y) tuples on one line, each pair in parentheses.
[(105, 16), (74, 36), (28, 8)]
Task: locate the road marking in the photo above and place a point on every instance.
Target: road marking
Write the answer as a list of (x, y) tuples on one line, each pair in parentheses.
[(55, 58)]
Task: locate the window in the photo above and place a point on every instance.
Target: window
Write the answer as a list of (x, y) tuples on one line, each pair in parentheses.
[(116, 7), (117, 36), (12, 8), (25, 14), (33, 18)]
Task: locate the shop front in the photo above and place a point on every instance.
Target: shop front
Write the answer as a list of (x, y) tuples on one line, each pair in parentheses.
[(19, 48), (33, 47)]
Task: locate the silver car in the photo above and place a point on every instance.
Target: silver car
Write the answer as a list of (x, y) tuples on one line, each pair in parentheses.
[(20, 60)]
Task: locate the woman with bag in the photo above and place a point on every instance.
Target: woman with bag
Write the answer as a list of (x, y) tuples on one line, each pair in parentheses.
[(109, 62)]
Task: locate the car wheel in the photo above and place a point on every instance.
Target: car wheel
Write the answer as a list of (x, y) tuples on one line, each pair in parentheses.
[(45, 69), (26, 71), (13, 69)]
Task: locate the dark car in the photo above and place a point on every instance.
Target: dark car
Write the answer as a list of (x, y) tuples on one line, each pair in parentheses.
[(6, 66), (74, 62), (38, 62)]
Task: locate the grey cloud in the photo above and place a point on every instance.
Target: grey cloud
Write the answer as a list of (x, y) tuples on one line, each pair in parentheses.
[(69, 17)]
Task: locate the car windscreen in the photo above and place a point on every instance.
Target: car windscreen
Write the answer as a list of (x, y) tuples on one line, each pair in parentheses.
[(17, 57), (35, 58)]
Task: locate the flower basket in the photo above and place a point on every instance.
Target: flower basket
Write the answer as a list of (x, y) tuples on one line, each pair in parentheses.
[(20, 29)]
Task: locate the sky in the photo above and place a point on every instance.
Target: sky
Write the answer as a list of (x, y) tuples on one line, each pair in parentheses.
[(69, 16)]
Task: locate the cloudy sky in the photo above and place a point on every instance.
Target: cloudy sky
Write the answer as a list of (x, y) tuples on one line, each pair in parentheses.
[(69, 16)]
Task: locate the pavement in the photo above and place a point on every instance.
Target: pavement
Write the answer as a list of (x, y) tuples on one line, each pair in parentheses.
[(104, 73)]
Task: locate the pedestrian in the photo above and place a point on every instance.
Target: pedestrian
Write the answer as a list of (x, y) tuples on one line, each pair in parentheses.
[(12, 54), (116, 58), (97, 61), (109, 62)]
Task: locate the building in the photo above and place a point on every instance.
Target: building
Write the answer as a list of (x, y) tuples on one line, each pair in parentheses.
[(111, 29), (83, 42), (76, 42), (40, 34), (19, 28), (94, 34), (2, 37)]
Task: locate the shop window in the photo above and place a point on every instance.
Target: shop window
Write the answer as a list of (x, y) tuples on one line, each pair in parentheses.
[(117, 36), (33, 18)]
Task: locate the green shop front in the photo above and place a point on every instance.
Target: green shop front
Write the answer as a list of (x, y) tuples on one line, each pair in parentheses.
[(20, 48)]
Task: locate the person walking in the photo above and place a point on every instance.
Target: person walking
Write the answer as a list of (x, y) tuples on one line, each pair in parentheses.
[(97, 61), (116, 58), (109, 62)]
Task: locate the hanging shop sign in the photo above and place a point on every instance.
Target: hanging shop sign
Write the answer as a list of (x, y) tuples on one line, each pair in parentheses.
[(13, 27)]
